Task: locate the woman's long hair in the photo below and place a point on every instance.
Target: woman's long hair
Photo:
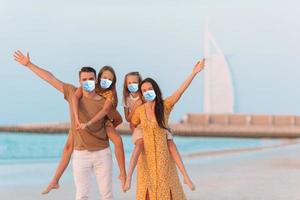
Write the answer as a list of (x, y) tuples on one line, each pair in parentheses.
[(112, 87), (159, 103), (125, 89)]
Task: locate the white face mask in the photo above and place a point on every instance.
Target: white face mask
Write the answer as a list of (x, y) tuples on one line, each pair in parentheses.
[(133, 87), (149, 95), (105, 83), (88, 85)]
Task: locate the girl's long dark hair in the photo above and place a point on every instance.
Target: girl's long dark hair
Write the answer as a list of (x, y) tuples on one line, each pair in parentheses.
[(159, 103), (112, 87), (125, 89)]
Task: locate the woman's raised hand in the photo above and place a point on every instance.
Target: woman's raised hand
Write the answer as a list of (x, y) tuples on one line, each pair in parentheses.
[(199, 66)]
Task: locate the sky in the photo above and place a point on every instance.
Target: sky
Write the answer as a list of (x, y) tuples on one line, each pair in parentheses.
[(162, 40)]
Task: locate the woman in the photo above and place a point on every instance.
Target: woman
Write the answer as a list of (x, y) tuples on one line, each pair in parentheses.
[(132, 100), (157, 176)]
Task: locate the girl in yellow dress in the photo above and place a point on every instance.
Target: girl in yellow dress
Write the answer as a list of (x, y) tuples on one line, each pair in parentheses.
[(157, 177)]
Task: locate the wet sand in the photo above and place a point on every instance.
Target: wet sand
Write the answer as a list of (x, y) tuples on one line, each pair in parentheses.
[(271, 173)]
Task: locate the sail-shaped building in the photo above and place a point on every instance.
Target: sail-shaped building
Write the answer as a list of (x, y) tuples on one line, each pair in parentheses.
[(218, 89)]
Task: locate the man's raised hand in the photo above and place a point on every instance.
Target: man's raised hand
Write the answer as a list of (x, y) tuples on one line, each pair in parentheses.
[(21, 58)]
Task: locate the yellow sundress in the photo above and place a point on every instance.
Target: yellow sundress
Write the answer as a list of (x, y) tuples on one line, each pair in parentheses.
[(156, 170)]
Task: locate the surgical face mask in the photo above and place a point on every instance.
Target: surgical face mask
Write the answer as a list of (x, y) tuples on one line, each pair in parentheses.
[(133, 87), (105, 83), (149, 95), (88, 85)]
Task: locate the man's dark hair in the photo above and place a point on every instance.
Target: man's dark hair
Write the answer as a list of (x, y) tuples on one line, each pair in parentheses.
[(87, 69)]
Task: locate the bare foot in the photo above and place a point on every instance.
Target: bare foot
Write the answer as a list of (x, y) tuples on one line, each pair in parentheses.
[(122, 178), (127, 184), (189, 183), (52, 185)]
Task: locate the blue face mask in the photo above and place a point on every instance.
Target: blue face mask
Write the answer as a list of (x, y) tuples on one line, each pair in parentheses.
[(88, 85), (149, 95), (105, 83), (133, 87)]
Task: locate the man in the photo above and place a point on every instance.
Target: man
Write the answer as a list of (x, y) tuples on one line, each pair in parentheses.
[(91, 145)]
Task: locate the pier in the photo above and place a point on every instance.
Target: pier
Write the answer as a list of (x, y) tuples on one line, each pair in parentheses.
[(205, 125)]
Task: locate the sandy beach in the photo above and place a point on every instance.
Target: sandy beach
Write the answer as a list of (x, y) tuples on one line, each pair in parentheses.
[(223, 77), (271, 173)]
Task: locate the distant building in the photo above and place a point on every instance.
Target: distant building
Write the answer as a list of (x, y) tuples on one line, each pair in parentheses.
[(218, 89)]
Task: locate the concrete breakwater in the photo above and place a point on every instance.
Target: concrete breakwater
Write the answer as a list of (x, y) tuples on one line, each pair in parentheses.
[(59, 128), (212, 125), (241, 125)]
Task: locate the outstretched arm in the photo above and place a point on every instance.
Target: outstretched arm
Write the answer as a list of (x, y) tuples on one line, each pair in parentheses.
[(178, 93), (43, 74)]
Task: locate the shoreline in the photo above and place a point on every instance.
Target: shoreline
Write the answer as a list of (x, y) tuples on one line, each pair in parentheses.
[(179, 129), (195, 155)]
